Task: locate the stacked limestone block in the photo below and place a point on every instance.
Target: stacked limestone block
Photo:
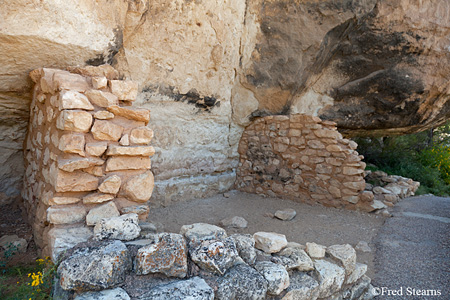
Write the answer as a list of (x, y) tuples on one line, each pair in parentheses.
[(303, 158), (87, 154)]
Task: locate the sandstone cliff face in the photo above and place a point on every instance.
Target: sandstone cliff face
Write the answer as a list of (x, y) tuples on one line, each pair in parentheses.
[(206, 68)]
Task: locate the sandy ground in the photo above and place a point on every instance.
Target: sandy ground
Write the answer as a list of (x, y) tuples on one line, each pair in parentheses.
[(322, 225)]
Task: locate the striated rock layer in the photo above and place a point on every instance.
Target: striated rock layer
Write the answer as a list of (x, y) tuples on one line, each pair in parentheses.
[(206, 68)]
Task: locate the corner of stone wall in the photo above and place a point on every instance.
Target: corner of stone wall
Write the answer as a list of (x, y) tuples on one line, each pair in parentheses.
[(302, 158), (87, 154)]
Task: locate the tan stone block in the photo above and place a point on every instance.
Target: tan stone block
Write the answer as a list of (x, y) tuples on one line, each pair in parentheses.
[(358, 185), (46, 82), (64, 80), (139, 188), (137, 114), (99, 82), (96, 171), (102, 99), (326, 133), (77, 163), (315, 144), (107, 210), (352, 171), (324, 169), (103, 115), (96, 149), (125, 90), (366, 196), (63, 200), (351, 199), (334, 148), (124, 140), (130, 150), (334, 191), (141, 135), (66, 214), (72, 143), (74, 182), (117, 163), (349, 192), (110, 185), (141, 210), (74, 120), (95, 198), (297, 141), (36, 75), (334, 161), (294, 132), (107, 131), (353, 145), (50, 114), (104, 70), (74, 100)]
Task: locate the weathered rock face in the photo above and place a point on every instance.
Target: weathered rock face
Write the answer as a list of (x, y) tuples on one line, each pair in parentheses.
[(372, 66)]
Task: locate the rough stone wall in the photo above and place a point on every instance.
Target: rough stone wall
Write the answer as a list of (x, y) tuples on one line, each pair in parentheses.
[(303, 158), (86, 154), (373, 66)]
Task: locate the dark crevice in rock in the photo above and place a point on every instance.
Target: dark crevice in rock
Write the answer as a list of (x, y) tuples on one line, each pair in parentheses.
[(204, 103)]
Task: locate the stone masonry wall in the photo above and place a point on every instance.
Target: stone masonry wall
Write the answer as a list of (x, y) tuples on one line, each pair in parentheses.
[(86, 154), (303, 158)]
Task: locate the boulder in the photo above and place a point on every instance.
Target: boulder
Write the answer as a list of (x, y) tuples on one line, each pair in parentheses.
[(111, 294), (193, 288), (74, 100), (315, 251), (110, 185), (96, 198), (13, 243), (72, 143), (241, 282), (276, 275), (96, 148), (215, 256), (118, 163), (74, 120), (132, 113), (269, 242), (139, 188), (95, 268), (358, 272), (106, 131), (198, 232), (295, 258), (345, 255), (301, 287), (330, 277), (101, 98), (234, 222), (245, 245), (141, 135), (106, 210), (285, 214), (124, 227), (62, 239), (66, 214), (124, 90), (168, 255)]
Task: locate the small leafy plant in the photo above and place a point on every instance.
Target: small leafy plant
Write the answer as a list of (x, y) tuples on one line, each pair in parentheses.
[(31, 281)]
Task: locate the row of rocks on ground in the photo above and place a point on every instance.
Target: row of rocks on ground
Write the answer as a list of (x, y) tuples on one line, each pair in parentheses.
[(203, 262), (387, 190)]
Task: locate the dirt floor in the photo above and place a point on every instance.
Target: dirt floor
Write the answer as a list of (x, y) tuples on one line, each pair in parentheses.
[(12, 222), (322, 225)]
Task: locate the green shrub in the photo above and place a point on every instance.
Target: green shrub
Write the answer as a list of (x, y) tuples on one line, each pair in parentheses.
[(424, 157)]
